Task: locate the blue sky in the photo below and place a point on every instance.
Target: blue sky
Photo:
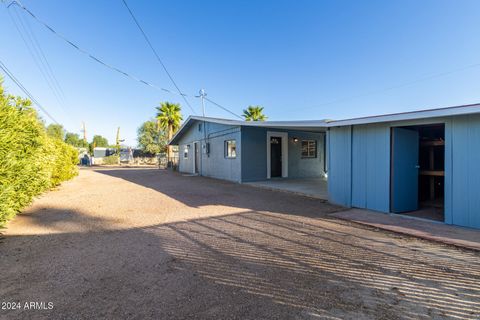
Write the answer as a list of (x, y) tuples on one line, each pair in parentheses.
[(299, 59)]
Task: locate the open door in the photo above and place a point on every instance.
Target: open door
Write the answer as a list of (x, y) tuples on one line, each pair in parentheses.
[(404, 170), (275, 157)]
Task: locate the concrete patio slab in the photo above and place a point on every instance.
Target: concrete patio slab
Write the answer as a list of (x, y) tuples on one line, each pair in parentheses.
[(311, 187), (430, 230)]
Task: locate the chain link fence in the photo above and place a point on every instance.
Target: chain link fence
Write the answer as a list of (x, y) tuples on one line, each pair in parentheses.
[(165, 162)]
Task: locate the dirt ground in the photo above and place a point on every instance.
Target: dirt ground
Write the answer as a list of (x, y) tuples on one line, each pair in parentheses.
[(147, 243)]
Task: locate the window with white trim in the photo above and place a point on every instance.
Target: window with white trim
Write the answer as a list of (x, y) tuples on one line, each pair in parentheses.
[(309, 148), (185, 151), (230, 149)]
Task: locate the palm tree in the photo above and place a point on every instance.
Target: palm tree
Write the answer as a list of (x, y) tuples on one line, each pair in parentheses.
[(254, 113), (169, 117)]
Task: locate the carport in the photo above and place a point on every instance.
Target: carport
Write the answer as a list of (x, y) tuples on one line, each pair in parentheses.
[(287, 156)]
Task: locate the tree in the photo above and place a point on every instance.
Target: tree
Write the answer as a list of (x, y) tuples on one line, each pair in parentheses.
[(169, 117), (150, 139), (99, 141), (74, 139), (254, 113), (56, 131)]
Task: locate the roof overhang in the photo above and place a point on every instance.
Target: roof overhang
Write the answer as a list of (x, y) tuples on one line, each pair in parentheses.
[(307, 125), (323, 125), (412, 115)]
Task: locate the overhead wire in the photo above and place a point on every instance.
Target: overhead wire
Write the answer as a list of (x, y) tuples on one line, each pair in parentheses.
[(111, 67), (157, 56), (91, 56), (223, 108), (35, 54), (49, 68), (22, 87)]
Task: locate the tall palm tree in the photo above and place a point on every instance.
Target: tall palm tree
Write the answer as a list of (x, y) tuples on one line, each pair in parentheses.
[(169, 117), (254, 113)]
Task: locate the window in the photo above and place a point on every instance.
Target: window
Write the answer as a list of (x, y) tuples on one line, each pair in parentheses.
[(309, 149), (185, 151), (230, 149)]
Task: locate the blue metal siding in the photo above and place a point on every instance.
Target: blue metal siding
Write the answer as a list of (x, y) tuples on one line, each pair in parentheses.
[(340, 165), (359, 167), (448, 207), (405, 170), (465, 174), (371, 167)]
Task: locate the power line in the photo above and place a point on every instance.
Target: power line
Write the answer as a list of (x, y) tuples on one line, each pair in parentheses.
[(49, 68), (223, 108), (117, 70), (91, 56), (20, 85), (158, 57), (35, 54)]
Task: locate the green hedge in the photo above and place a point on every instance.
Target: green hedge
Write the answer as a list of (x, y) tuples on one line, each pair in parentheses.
[(30, 161)]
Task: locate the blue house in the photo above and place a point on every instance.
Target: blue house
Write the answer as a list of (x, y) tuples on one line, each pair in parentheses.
[(422, 163), (242, 151)]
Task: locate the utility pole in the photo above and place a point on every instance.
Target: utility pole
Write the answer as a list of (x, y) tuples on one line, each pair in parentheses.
[(117, 144), (117, 141), (84, 132), (204, 143), (203, 94)]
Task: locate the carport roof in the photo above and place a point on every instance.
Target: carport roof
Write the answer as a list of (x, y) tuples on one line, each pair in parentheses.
[(303, 125)]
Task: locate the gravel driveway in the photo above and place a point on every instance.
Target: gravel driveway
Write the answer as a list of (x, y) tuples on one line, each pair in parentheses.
[(147, 243)]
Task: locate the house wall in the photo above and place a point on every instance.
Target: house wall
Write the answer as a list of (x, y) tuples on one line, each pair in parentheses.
[(214, 164), (465, 178), (254, 151), (371, 167), (254, 156), (359, 167), (340, 165)]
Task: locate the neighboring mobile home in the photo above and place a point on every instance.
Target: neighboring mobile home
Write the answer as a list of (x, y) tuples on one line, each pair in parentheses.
[(421, 163)]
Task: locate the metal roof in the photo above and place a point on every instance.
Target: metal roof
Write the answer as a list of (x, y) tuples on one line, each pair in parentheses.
[(322, 125), (305, 125), (411, 115)]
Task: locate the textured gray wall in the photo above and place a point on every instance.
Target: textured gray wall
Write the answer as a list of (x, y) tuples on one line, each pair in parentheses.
[(213, 164), (299, 167)]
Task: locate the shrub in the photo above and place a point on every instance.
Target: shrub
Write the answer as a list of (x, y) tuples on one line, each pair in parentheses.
[(30, 161), (113, 159)]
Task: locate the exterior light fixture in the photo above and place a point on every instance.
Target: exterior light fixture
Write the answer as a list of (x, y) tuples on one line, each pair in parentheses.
[(295, 139)]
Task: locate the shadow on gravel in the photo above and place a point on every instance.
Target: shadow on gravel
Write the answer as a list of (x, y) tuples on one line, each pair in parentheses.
[(195, 191), (264, 263), (246, 265)]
